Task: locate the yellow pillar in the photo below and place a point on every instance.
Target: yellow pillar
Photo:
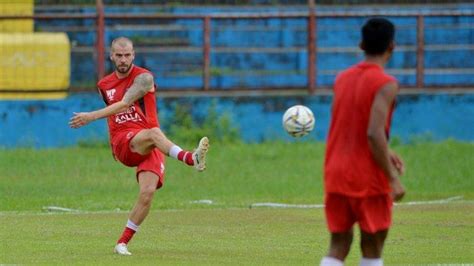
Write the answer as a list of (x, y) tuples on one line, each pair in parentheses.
[(16, 7)]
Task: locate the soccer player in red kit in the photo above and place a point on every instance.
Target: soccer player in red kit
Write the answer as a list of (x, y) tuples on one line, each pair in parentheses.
[(134, 129), (361, 173)]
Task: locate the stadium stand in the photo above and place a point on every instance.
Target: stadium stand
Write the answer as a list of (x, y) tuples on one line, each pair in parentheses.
[(271, 49), (34, 65)]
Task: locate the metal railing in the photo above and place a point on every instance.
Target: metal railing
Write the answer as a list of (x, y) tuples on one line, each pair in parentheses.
[(312, 16)]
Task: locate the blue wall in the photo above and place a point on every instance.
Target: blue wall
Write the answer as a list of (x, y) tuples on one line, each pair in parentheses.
[(234, 64), (44, 123)]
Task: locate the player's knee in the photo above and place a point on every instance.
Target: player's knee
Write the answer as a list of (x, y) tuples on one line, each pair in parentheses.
[(340, 245), (371, 247), (157, 135)]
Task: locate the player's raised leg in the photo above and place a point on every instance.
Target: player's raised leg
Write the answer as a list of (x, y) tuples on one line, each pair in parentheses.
[(146, 140), (147, 181)]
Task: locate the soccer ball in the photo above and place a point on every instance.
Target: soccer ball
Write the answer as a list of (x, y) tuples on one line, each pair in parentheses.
[(298, 121)]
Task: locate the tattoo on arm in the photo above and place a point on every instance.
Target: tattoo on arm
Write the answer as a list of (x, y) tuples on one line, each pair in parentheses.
[(141, 85)]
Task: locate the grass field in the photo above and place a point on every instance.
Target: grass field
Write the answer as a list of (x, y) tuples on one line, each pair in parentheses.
[(227, 231)]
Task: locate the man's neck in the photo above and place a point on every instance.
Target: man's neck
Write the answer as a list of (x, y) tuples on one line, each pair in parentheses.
[(380, 60)]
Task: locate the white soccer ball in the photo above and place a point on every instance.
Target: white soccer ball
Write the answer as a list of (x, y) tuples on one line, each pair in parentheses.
[(298, 121)]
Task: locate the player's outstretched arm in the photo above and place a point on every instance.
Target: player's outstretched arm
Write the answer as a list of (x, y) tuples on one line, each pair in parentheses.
[(83, 118), (141, 85)]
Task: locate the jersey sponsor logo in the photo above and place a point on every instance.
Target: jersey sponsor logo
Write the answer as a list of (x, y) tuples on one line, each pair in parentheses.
[(130, 114), (162, 168), (110, 94)]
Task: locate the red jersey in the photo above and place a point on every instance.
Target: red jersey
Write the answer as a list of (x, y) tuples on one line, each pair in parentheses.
[(142, 114), (349, 167)]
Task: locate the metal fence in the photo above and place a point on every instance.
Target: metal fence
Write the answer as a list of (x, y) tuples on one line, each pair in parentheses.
[(312, 16)]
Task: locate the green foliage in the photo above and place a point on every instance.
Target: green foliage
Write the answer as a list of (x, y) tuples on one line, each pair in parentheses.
[(395, 141), (93, 143), (421, 138), (218, 127)]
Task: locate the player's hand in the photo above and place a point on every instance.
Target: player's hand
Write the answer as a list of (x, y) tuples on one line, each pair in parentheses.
[(398, 191), (80, 119), (397, 162)]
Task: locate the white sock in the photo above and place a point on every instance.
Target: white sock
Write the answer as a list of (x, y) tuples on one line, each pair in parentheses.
[(371, 262), (330, 261), (174, 151), (132, 226)]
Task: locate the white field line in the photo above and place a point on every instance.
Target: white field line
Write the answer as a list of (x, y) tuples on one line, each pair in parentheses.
[(54, 210), (203, 201), (429, 202), (319, 206), (284, 205), (58, 209)]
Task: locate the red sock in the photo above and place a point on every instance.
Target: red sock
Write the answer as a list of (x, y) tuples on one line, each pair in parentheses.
[(126, 235), (186, 157)]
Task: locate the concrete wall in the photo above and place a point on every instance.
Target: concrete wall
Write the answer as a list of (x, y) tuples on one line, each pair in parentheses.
[(44, 123)]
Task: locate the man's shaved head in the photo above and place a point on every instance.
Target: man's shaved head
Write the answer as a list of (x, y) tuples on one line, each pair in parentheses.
[(121, 42)]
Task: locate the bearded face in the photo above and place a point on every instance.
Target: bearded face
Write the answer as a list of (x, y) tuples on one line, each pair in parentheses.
[(122, 57)]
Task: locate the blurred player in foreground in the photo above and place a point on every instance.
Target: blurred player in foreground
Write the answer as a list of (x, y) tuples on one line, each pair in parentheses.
[(135, 135), (361, 173)]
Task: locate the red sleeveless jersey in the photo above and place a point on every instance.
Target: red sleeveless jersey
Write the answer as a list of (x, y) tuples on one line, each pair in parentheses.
[(349, 167), (142, 114)]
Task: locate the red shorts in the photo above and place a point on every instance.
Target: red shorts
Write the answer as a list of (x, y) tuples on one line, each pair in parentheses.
[(152, 162), (372, 213)]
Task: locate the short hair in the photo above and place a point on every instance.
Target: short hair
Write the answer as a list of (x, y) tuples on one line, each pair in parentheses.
[(377, 34), (122, 42)]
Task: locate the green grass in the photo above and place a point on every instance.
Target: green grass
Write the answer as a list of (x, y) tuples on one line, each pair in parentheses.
[(227, 232), (421, 235), (237, 175)]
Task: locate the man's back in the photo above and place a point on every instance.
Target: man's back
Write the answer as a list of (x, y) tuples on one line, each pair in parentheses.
[(349, 167), (360, 171)]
